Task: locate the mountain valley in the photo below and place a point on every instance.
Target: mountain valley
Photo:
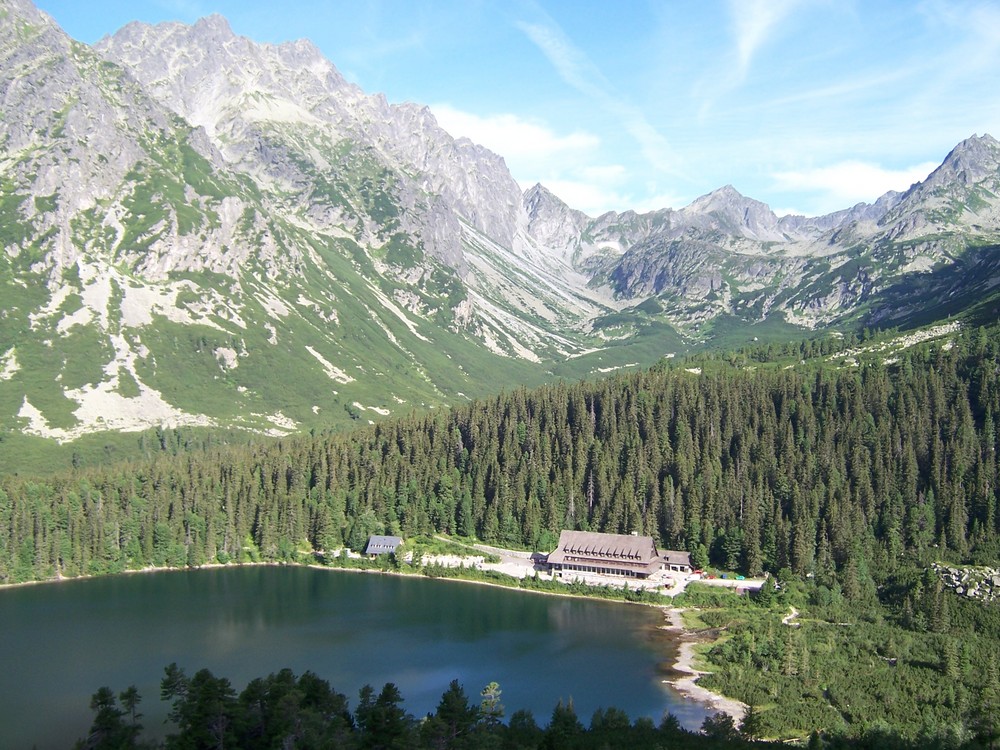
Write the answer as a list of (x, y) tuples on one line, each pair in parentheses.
[(201, 231)]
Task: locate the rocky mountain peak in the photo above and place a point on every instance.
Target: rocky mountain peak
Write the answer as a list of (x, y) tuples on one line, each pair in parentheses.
[(209, 75), (971, 161), (725, 198), (964, 186), (245, 95), (550, 221), (215, 26), (735, 213), (538, 199), (726, 192)]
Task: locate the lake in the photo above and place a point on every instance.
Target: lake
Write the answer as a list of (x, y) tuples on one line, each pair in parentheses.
[(62, 641)]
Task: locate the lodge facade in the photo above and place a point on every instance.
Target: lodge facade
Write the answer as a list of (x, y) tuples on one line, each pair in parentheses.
[(614, 554)]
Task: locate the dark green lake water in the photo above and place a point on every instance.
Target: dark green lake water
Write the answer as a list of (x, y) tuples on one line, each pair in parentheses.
[(60, 642)]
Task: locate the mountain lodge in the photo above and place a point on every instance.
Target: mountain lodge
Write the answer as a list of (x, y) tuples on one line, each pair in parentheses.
[(614, 554)]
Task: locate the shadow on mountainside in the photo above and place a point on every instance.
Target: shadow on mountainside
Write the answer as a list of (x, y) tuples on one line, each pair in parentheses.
[(969, 287)]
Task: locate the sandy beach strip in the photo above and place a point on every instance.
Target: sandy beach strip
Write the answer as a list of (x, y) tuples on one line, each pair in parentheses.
[(687, 685)]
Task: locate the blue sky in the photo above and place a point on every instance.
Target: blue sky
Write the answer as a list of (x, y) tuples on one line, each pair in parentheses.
[(807, 105)]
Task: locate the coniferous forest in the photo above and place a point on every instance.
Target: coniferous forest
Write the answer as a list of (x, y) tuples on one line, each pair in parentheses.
[(840, 471), (284, 710), (844, 476)]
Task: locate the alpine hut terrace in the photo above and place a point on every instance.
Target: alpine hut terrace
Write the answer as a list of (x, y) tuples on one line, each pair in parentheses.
[(614, 554)]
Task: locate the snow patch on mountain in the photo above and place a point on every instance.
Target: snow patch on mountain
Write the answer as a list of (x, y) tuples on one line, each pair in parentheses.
[(332, 372), (102, 408), (389, 305), (377, 409), (8, 364)]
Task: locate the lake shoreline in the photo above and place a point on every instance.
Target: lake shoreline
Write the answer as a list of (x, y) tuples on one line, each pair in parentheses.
[(316, 566), (687, 684), (683, 660), (246, 622)]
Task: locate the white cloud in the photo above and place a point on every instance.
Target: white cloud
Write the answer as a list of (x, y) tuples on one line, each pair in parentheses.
[(598, 190), (592, 197), (511, 136), (563, 162), (846, 183), (571, 64)]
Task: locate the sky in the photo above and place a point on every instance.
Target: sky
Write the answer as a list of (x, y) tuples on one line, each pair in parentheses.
[(810, 106)]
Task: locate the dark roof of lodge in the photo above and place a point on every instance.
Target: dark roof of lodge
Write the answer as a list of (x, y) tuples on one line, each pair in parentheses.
[(378, 545), (612, 548)]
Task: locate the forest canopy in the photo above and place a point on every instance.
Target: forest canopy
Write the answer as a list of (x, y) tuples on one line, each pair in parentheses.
[(835, 471)]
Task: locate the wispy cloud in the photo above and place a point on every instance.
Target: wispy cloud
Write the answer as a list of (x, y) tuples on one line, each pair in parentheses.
[(577, 70), (574, 67), (754, 22), (862, 85), (753, 25)]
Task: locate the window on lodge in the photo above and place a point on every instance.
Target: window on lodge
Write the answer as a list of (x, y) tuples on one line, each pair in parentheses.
[(602, 571)]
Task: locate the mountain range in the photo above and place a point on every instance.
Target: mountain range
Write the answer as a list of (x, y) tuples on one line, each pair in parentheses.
[(201, 230)]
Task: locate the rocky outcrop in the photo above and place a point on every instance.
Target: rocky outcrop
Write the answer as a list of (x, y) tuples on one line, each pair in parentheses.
[(973, 583)]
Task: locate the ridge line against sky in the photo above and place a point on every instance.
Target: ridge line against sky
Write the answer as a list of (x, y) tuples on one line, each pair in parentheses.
[(808, 105)]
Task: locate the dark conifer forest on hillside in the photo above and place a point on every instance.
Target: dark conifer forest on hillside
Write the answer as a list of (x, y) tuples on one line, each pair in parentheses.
[(839, 471), (844, 476)]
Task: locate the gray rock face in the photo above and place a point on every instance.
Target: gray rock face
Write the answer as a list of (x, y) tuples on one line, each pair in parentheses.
[(273, 109), (553, 224), (283, 115), (72, 130)]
